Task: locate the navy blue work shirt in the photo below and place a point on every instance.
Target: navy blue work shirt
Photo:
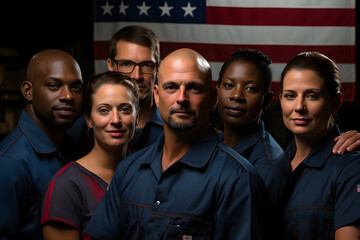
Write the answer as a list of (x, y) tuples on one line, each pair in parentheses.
[(210, 193), (268, 158), (28, 160), (149, 134), (325, 192)]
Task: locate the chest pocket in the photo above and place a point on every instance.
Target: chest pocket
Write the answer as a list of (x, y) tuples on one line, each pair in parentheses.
[(311, 222), (183, 229)]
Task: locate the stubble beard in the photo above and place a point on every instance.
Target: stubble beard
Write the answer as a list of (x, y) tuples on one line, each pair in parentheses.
[(181, 126)]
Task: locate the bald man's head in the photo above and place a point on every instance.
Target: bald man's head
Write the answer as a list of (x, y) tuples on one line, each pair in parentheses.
[(42, 61), (184, 95), (186, 58), (53, 89)]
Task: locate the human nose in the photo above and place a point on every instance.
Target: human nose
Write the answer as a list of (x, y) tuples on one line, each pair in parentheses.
[(300, 105), (115, 118), (237, 94), (136, 73), (182, 97), (66, 94)]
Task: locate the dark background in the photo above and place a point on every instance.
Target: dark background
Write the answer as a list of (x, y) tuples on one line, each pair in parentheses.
[(30, 26)]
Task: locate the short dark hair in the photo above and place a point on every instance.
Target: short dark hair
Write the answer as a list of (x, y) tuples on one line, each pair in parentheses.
[(257, 58), (136, 34), (108, 78)]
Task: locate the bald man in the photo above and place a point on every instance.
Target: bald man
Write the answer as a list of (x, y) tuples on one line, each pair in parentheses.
[(188, 185), (38, 147)]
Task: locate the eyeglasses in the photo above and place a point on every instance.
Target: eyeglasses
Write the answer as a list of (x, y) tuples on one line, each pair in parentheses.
[(127, 66)]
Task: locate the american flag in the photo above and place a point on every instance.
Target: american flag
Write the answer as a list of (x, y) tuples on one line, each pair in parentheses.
[(216, 28)]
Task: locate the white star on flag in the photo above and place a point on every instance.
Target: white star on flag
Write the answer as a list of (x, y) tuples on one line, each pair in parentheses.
[(165, 10), (107, 8), (189, 10), (123, 8), (143, 9)]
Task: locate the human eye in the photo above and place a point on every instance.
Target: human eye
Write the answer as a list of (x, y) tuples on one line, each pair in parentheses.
[(126, 109), (251, 89), (77, 88), (103, 110), (228, 85), (149, 65), (125, 64), (289, 96), (312, 96), (53, 86), (195, 88), (170, 87)]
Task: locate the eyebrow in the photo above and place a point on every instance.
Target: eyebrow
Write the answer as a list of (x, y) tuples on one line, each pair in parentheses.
[(109, 105), (194, 82), (306, 90), (247, 81), (76, 81), (54, 79), (128, 60)]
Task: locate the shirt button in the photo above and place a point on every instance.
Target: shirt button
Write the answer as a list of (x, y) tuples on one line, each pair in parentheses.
[(157, 203)]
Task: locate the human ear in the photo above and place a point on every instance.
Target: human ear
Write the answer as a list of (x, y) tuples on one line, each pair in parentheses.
[(137, 120), (27, 90), (110, 65), (88, 121), (156, 95), (337, 101)]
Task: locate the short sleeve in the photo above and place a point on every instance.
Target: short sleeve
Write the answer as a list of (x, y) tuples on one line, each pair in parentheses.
[(241, 211), (62, 202), (347, 200), (104, 221)]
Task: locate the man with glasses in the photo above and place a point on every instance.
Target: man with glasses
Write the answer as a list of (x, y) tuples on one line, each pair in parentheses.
[(135, 51)]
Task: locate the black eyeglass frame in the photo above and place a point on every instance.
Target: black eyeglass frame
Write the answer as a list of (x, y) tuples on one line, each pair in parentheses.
[(135, 64)]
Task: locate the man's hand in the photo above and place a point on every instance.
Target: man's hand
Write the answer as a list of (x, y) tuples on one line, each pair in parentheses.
[(348, 141)]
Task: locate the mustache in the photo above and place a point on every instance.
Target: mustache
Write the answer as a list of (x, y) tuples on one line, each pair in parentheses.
[(182, 110), (68, 107)]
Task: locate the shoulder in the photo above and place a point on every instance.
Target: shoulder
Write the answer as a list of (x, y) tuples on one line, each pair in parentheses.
[(67, 173), (13, 142), (349, 161), (64, 180), (133, 158), (13, 153), (139, 154), (233, 170), (274, 152), (14, 172), (232, 159), (272, 148)]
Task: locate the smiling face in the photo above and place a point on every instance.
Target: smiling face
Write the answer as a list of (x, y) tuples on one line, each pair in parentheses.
[(240, 95), (306, 104), (54, 89), (113, 116)]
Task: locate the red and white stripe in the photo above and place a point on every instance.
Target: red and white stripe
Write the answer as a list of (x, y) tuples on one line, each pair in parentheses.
[(279, 28)]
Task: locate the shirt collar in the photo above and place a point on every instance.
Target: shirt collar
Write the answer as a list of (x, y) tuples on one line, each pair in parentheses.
[(197, 156), (156, 118), (249, 139), (320, 153), (36, 136)]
